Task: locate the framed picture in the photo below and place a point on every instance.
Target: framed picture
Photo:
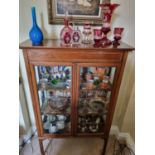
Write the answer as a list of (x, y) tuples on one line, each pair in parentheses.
[(79, 11)]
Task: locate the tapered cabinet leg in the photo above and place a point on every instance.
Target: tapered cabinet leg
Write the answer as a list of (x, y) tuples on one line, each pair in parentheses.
[(105, 146), (41, 147)]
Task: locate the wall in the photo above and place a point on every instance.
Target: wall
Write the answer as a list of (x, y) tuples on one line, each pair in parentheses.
[(129, 118), (124, 17), (124, 114)]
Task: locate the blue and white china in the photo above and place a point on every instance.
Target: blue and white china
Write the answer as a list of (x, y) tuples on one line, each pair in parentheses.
[(51, 70), (43, 83), (60, 125), (55, 69), (61, 117), (54, 75), (42, 69), (63, 75), (51, 118), (46, 125), (60, 68), (58, 75), (53, 128), (68, 83)]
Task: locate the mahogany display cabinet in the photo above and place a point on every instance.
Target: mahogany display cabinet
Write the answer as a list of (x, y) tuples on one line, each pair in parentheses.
[(74, 89)]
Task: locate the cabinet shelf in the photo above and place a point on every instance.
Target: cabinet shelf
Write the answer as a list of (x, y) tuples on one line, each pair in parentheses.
[(89, 129), (84, 86), (53, 87), (93, 114), (91, 134), (104, 99), (55, 113), (64, 132), (46, 109), (91, 123)]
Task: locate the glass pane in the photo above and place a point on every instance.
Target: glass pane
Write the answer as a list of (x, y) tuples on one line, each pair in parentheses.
[(54, 90), (94, 96)]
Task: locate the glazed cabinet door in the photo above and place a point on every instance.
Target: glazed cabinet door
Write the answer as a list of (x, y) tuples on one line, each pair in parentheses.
[(94, 85), (54, 97)]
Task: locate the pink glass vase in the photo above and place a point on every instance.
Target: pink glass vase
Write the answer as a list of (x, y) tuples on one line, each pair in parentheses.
[(97, 37), (117, 35), (107, 9), (106, 29), (66, 33), (76, 36)]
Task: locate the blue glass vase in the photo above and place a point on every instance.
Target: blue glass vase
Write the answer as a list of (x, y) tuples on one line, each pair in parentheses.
[(35, 33)]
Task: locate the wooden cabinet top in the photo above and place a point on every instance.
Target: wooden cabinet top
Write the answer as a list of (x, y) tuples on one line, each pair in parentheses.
[(56, 44)]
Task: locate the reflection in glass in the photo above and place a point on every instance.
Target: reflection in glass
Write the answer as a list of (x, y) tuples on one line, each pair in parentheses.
[(54, 91), (94, 96)]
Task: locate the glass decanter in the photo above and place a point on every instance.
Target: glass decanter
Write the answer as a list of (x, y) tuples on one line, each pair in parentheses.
[(106, 29), (66, 32), (87, 33), (76, 36), (117, 35)]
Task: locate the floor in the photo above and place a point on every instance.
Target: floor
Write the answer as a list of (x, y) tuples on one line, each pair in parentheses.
[(70, 146)]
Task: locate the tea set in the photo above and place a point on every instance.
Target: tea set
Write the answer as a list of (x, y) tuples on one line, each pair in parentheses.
[(55, 123), (90, 123)]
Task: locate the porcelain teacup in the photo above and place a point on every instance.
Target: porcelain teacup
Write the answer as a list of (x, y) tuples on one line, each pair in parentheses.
[(46, 125), (51, 118), (52, 128), (61, 117), (60, 125)]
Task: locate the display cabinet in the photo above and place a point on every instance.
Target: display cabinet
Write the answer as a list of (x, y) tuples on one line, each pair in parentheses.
[(74, 89)]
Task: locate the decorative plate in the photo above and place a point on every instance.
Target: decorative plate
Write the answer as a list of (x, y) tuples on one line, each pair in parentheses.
[(59, 103), (97, 105)]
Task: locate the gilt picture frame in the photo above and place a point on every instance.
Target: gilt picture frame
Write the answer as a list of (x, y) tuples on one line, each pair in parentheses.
[(78, 11)]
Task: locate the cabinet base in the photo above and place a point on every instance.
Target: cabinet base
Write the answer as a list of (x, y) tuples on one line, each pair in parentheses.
[(41, 147), (43, 150)]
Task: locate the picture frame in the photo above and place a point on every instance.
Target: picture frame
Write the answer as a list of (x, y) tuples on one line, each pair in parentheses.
[(79, 11)]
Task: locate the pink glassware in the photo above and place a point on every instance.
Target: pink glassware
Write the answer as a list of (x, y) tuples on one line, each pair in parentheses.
[(76, 36), (66, 33), (97, 37), (106, 28), (107, 9), (117, 35)]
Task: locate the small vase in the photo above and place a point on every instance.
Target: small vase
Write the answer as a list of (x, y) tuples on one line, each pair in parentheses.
[(66, 33), (35, 34), (87, 31), (97, 37), (76, 36), (117, 35), (107, 9)]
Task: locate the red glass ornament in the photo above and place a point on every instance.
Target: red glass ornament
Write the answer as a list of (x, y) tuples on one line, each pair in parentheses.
[(106, 26), (107, 9), (66, 33), (117, 35), (76, 36)]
